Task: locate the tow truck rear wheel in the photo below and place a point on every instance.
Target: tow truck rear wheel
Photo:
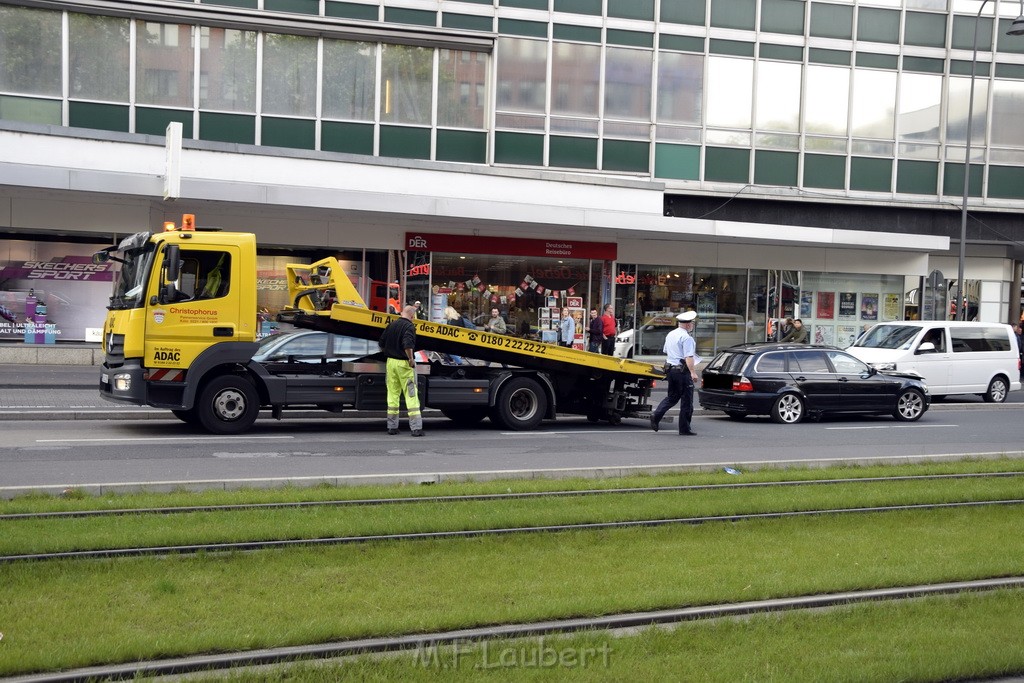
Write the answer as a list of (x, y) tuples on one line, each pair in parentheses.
[(521, 404), (228, 405)]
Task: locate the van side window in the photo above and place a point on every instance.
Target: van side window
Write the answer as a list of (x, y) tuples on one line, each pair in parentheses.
[(935, 336), (967, 339), (204, 274)]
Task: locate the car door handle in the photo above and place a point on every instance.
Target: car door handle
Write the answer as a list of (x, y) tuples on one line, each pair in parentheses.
[(844, 379)]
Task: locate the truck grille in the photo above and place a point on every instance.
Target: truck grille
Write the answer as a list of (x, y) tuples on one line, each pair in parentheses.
[(113, 347)]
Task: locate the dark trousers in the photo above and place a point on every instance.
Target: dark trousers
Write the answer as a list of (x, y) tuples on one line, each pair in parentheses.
[(680, 390), (608, 346)]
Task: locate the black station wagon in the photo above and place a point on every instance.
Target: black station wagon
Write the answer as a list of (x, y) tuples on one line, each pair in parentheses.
[(792, 381)]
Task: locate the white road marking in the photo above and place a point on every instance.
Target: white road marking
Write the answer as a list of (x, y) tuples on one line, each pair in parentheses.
[(889, 427), (168, 438)]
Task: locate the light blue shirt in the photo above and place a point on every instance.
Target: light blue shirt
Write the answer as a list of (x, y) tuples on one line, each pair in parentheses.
[(679, 345), (568, 329)]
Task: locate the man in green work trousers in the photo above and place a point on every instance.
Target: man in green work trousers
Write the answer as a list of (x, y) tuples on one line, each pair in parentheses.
[(399, 342)]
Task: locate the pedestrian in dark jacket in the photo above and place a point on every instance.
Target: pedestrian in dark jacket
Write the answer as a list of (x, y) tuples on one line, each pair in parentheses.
[(596, 332)]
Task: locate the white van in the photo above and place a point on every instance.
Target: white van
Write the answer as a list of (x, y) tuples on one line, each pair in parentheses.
[(953, 357)]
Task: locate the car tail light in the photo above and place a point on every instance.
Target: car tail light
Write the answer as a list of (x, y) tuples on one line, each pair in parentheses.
[(742, 384)]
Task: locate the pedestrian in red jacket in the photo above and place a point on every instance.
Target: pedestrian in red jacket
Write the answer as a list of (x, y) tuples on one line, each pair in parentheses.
[(610, 330)]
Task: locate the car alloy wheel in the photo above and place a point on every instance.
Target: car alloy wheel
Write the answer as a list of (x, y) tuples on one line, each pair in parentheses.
[(909, 406), (788, 409)]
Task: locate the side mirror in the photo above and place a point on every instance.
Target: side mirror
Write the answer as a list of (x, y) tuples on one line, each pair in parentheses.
[(926, 347), (101, 257), (172, 263)]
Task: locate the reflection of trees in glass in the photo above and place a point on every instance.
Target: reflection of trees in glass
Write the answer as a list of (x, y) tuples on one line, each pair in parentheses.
[(406, 74), (461, 77), (30, 51), (163, 64), (98, 60), (349, 79), (289, 75), (228, 63)]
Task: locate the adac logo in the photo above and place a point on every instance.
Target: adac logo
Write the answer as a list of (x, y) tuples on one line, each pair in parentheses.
[(417, 242), (158, 315), (625, 279)]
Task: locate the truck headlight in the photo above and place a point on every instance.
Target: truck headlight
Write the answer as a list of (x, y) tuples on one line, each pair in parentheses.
[(122, 382)]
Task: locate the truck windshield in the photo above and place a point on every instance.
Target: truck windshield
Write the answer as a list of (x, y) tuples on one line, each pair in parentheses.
[(889, 337), (136, 256)]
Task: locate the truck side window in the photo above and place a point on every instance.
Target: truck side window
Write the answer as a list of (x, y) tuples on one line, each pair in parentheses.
[(204, 274)]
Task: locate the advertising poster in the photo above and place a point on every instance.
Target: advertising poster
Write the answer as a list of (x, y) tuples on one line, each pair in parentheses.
[(848, 305), (823, 334), (826, 305), (845, 335), (891, 307), (869, 307), (806, 303)]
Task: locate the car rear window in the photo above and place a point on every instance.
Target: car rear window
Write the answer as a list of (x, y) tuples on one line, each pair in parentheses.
[(729, 362)]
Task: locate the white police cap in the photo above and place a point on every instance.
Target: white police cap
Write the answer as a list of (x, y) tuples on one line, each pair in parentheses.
[(687, 316)]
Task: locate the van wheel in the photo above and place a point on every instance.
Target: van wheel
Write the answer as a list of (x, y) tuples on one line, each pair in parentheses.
[(997, 390), (909, 406), (228, 405), (521, 405), (788, 409)]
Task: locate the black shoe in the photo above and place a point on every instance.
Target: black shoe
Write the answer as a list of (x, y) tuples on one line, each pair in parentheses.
[(688, 432), (654, 423), (417, 432), (392, 432)]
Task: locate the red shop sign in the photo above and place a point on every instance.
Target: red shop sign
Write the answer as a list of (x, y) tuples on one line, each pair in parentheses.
[(510, 246)]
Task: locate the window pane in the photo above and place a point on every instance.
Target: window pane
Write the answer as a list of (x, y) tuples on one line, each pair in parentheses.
[(730, 91), (461, 88), (522, 75), (920, 100), (289, 75), (164, 64), (959, 92), (30, 41), (828, 97), (680, 87), (627, 83), (1007, 104), (350, 78), (406, 84), (778, 96), (874, 103), (576, 78), (98, 60), (227, 61)]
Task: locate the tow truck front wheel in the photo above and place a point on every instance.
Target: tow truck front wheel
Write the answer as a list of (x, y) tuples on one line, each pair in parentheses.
[(228, 405), (521, 404)]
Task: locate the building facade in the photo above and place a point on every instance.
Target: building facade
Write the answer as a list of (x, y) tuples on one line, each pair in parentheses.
[(748, 159)]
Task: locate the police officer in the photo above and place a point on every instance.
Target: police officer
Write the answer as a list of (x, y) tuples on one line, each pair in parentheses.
[(681, 359)]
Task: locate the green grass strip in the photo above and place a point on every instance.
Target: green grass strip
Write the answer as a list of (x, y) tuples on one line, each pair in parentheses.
[(967, 636), (76, 613), (25, 536), (78, 500)]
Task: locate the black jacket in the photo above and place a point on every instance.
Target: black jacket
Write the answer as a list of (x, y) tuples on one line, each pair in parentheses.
[(397, 336)]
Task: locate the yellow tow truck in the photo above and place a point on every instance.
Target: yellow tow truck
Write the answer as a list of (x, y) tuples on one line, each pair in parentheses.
[(181, 329)]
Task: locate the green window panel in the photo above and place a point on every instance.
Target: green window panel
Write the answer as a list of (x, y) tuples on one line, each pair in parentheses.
[(526, 4), (237, 128), (917, 177), (789, 53), (630, 38), (681, 43), (923, 64), (248, 4), (731, 47), (681, 162), (783, 16), (297, 6), (1007, 71), (30, 110), (872, 175), (98, 116), (591, 7), (293, 133), (519, 148), (1005, 182), (462, 145), (469, 22), (626, 155), (1009, 44), (405, 142), (819, 55), (925, 28), (691, 12), (831, 21), (583, 34), (953, 180), (154, 121), (776, 168), (958, 67), (963, 33), (727, 165), (873, 61), (878, 25), (518, 27), (419, 17), (631, 9), (351, 10), (825, 171), (352, 138), (733, 14), (572, 152)]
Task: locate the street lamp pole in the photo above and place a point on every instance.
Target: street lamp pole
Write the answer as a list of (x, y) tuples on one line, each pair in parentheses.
[(1016, 29)]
